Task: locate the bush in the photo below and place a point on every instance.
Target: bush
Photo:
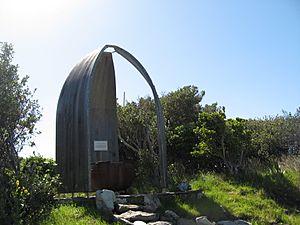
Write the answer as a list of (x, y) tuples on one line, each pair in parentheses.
[(29, 194), (41, 182)]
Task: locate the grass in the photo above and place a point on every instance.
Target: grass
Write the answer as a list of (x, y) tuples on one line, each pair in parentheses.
[(266, 198), (192, 207), (74, 215), (243, 201)]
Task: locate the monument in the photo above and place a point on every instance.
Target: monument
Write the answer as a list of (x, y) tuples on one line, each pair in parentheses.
[(86, 126)]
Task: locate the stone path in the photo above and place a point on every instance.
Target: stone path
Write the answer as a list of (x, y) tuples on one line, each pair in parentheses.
[(142, 210)]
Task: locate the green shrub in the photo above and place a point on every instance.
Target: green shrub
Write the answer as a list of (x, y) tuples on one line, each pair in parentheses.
[(40, 183), (29, 194)]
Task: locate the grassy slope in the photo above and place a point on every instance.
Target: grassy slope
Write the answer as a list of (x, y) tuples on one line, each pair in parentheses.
[(224, 199), (243, 201), (73, 215)]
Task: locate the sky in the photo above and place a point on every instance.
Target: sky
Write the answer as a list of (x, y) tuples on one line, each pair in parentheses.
[(244, 54)]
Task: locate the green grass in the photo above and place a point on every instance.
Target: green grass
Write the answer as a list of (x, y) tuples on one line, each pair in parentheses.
[(243, 201), (268, 198), (74, 215), (193, 207)]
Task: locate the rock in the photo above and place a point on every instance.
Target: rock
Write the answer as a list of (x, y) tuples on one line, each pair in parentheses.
[(242, 222), (121, 220), (202, 220), (236, 222), (225, 222), (170, 213), (139, 215), (105, 199), (151, 203), (183, 221), (139, 223), (170, 216), (121, 200), (160, 223), (124, 208), (131, 199), (199, 195)]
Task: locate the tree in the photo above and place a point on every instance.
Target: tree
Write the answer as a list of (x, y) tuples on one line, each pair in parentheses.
[(19, 113), (210, 131), (275, 136), (138, 136), (138, 130), (181, 109), (228, 140)]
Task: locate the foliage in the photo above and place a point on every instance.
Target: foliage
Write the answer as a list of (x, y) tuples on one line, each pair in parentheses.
[(19, 112), (24, 193), (243, 200), (37, 188), (291, 162), (31, 194), (138, 130), (229, 140), (181, 109), (138, 135), (75, 215), (273, 137), (182, 106)]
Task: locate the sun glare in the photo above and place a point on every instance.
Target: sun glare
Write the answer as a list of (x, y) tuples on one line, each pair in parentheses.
[(30, 16)]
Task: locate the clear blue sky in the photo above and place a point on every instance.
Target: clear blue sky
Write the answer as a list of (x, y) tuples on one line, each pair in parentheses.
[(244, 54)]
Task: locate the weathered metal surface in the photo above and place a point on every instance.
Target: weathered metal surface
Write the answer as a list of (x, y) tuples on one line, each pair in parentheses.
[(86, 122), (86, 113), (114, 176)]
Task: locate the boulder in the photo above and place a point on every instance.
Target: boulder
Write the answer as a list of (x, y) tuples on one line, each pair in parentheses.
[(105, 199), (151, 202), (202, 220), (138, 215), (170, 216), (170, 213), (183, 221)]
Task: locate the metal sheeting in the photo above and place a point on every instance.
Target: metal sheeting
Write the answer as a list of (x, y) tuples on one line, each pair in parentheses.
[(86, 112)]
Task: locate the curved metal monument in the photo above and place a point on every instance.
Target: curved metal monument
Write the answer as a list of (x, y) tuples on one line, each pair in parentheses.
[(86, 123)]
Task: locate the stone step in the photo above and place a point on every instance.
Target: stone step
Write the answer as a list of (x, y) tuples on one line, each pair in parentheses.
[(122, 208), (138, 215), (126, 222), (130, 199), (160, 223)]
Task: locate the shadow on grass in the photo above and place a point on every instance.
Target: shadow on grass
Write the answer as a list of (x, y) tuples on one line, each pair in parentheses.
[(276, 185), (191, 208)]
